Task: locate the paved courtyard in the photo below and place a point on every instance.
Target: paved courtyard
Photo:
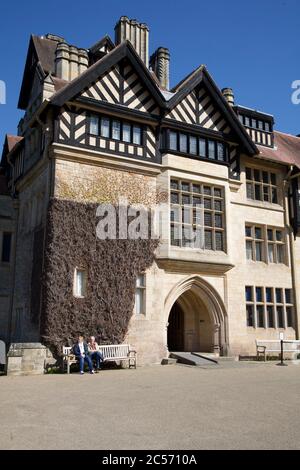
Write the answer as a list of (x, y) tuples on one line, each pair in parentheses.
[(234, 406)]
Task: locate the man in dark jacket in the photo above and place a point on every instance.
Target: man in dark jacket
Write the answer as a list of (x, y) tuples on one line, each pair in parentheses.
[(81, 352)]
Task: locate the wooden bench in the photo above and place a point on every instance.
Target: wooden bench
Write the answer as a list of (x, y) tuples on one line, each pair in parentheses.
[(68, 358), (119, 352), (110, 353), (264, 346)]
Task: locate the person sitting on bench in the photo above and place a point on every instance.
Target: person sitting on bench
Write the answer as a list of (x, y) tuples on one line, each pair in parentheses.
[(95, 354), (81, 352)]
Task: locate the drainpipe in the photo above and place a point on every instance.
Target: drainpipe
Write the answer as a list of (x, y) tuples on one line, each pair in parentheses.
[(286, 184)]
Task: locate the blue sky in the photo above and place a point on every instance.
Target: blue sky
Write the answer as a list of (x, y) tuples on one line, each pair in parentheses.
[(251, 46)]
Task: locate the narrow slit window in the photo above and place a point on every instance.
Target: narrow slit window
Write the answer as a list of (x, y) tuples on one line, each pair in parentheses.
[(6, 247), (80, 282), (140, 290)]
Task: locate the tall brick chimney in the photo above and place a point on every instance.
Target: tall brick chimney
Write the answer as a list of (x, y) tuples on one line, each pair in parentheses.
[(135, 32)]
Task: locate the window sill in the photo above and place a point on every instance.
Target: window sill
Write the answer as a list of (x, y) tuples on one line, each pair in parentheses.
[(265, 264), (264, 204)]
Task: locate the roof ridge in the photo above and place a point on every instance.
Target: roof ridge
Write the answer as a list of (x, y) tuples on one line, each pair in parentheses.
[(181, 83)]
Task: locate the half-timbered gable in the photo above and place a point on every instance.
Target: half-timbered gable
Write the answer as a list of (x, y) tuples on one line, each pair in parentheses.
[(119, 78), (122, 85), (210, 116), (198, 107), (135, 93), (107, 88), (197, 101), (186, 110)]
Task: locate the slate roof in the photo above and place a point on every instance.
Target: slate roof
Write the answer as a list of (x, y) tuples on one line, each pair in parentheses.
[(286, 149)]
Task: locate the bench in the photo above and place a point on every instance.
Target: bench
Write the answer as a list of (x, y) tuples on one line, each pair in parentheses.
[(119, 352), (68, 358), (110, 353), (264, 346)]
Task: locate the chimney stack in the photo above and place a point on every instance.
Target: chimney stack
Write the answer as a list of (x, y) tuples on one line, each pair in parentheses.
[(83, 60), (228, 95), (73, 62), (135, 32), (70, 61), (160, 64), (62, 61)]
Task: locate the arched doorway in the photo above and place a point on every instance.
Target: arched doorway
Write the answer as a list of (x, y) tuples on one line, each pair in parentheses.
[(196, 318)]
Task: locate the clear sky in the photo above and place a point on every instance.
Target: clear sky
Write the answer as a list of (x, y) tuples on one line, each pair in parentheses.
[(252, 46)]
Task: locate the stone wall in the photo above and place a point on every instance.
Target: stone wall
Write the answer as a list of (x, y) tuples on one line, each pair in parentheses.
[(8, 216), (33, 200)]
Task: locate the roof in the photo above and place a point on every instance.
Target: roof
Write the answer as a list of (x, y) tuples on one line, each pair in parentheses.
[(105, 41), (59, 83), (10, 143), (45, 49), (167, 103), (286, 149), (41, 51), (123, 50), (185, 79)]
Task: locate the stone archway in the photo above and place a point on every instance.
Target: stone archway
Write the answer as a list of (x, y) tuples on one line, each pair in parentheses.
[(201, 318)]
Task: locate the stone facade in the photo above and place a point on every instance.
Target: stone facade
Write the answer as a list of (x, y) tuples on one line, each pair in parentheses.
[(8, 218), (117, 132)]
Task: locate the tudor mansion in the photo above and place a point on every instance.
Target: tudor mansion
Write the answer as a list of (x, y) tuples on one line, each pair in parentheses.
[(106, 117)]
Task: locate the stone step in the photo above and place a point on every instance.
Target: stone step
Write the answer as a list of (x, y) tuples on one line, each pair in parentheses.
[(192, 359), (215, 357), (168, 361)]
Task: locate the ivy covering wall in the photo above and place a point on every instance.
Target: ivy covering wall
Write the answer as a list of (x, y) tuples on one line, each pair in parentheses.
[(112, 267)]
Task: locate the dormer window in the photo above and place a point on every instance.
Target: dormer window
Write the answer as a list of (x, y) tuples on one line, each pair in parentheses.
[(115, 129), (258, 125), (187, 144)]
